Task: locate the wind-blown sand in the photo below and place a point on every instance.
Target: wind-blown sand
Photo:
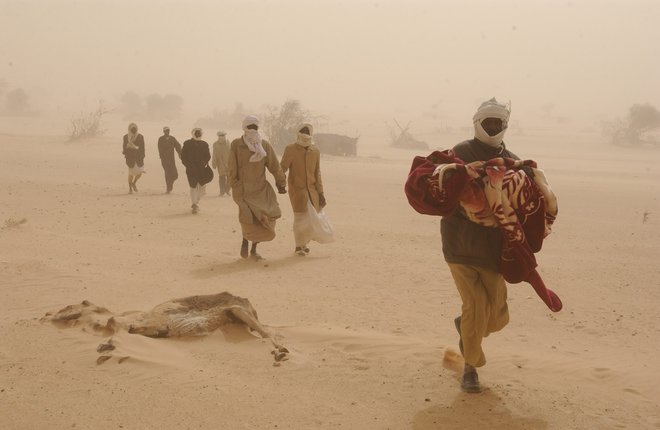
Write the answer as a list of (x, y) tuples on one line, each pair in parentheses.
[(368, 319)]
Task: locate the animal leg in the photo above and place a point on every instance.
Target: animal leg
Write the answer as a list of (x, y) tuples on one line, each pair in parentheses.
[(255, 325), (249, 321)]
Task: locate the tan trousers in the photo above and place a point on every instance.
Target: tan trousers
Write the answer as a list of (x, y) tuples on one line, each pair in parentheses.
[(484, 309)]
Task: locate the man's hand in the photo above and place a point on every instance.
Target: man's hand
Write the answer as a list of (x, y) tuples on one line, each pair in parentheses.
[(322, 201), (476, 165), (475, 168), (281, 190)]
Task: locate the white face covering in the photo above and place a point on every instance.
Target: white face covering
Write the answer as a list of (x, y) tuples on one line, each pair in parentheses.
[(252, 139), (303, 139), (491, 109)]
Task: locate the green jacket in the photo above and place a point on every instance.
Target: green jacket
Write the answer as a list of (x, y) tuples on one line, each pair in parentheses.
[(463, 241)]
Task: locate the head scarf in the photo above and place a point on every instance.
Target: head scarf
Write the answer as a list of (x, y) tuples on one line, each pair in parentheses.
[(166, 129), (252, 139), (491, 109), (221, 137), (305, 140), (132, 136), (194, 130)]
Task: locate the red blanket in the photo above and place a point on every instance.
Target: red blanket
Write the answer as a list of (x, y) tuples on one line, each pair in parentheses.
[(496, 193)]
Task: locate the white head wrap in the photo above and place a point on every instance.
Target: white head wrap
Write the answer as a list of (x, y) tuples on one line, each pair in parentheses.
[(491, 109), (132, 136), (252, 139), (194, 130), (305, 139)]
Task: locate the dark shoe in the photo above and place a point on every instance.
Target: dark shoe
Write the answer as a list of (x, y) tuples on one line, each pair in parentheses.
[(457, 323), (300, 251), (244, 249), (306, 249), (470, 382), (195, 209)]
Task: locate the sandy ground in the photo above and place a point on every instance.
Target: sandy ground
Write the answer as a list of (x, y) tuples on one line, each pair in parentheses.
[(367, 318)]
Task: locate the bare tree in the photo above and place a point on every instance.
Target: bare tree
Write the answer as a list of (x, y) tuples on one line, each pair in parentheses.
[(279, 122), (87, 125)]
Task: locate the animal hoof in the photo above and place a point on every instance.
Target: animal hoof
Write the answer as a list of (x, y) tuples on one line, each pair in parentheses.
[(102, 359), (105, 347)]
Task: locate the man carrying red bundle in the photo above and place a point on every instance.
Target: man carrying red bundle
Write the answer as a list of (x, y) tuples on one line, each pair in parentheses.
[(494, 219)]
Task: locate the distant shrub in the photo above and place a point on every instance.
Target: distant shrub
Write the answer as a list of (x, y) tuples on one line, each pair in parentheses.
[(152, 107), (639, 128), (87, 125)]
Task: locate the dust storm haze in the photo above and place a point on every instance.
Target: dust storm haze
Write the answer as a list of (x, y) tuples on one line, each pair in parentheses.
[(579, 62), (367, 321)]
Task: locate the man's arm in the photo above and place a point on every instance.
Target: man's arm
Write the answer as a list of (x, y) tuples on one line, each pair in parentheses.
[(273, 166), (177, 146), (232, 168)]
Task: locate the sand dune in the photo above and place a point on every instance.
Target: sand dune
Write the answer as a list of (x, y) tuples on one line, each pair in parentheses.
[(368, 319)]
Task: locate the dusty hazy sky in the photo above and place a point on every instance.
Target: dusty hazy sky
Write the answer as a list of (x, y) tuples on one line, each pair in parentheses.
[(586, 59)]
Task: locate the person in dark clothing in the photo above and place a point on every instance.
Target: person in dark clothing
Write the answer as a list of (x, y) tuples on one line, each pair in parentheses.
[(166, 146), (133, 150), (195, 155), (472, 251)]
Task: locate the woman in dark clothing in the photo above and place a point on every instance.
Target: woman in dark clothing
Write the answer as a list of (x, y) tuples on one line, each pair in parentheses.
[(133, 150), (195, 155)]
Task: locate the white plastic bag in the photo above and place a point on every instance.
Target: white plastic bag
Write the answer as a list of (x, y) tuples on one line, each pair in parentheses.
[(322, 231)]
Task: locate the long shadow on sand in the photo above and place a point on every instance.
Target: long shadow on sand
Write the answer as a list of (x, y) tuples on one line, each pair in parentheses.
[(177, 215), (139, 194), (241, 265), (470, 411)]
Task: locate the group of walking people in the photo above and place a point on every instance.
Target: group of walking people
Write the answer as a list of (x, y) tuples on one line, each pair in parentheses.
[(474, 244), (241, 168)]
